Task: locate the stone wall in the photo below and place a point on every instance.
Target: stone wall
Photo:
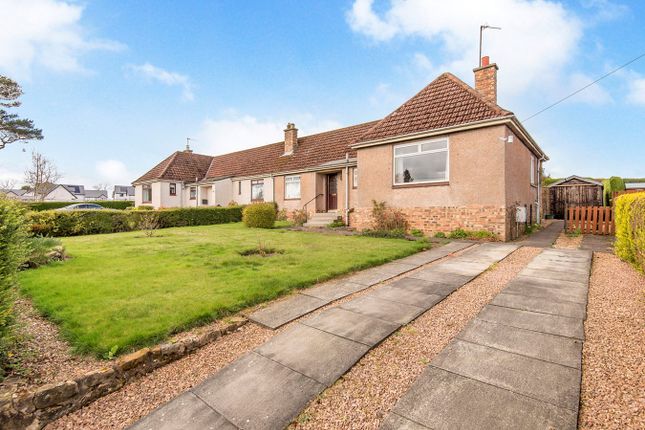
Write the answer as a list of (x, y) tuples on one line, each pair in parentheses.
[(33, 409), (444, 219)]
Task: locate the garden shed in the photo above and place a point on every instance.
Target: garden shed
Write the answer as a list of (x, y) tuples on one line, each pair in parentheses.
[(574, 191)]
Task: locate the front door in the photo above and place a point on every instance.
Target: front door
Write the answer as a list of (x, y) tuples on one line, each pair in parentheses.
[(332, 192)]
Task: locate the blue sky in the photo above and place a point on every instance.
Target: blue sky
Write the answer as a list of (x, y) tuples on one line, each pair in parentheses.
[(117, 86)]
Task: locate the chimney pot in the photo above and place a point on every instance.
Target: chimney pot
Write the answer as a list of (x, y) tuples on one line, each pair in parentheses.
[(486, 80), (290, 138)]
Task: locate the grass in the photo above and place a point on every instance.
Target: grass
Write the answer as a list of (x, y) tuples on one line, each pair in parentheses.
[(126, 290)]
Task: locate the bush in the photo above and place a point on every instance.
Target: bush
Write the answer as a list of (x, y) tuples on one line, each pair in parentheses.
[(144, 208), (300, 216), (109, 204), (14, 248), (610, 186), (630, 228), (388, 234), (259, 215), (336, 223), (282, 215), (75, 223), (440, 235), (416, 232), (387, 219), (460, 233), (43, 250)]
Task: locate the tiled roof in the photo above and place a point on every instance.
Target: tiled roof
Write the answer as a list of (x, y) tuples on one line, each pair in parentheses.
[(181, 166), (311, 151), (446, 101)]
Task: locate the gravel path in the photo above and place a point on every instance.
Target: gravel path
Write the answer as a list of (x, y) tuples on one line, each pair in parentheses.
[(362, 398), (613, 369)]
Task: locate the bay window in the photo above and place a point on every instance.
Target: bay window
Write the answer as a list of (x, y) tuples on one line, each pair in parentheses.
[(257, 190), (292, 187), (422, 162)]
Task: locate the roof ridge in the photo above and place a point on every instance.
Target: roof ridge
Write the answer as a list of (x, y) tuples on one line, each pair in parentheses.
[(476, 93)]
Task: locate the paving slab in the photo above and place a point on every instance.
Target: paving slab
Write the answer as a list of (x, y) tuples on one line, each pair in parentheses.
[(546, 237), (185, 411), (578, 268), (400, 295), (542, 282), (430, 274), (369, 277), (335, 291), (421, 286), (395, 268), (577, 295), (537, 304), (350, 325), (316, 354), (444, 401), (558, 276), (540, 380), (539, 322), (555, 349), (283, 311), (597, 243), (467, 268), (257, 393), (383, 309)]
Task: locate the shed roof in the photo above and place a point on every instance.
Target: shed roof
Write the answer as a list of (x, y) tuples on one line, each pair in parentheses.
[(575, 180)]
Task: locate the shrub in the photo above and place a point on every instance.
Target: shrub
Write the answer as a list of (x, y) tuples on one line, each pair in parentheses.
[(416, 232), (109, 204), (148, 223), (610, 186), (259, 215), (460, 233), (336, 223), (75, 223), (144, 208), (440, 235), (14, 248), (630, 228), (43, 250), (282, 215), (390, 234), (388, 219), (299, 216)]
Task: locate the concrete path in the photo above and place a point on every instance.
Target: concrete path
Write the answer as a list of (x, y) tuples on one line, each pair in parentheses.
[(517, 365), (598, 243), (268, 387), (545, 237), (284, 311)]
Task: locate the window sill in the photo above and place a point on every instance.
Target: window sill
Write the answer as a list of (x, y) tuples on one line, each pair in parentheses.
[(298, 198), (423, 184)]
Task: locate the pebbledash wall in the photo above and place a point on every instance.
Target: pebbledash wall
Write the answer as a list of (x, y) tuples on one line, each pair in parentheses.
[(488, 178)]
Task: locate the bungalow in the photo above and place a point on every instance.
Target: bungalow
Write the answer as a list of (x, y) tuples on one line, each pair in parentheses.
[(448, 158), (123, 192)]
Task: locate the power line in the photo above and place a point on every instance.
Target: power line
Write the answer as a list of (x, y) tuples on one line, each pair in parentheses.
[(586, 86)]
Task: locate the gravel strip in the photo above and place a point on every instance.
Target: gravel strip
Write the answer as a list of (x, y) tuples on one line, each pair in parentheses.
[(364, 396), (568, 242), (613, 369)]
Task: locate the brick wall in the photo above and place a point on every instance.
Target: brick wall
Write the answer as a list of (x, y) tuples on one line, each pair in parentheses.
[(445, 219)]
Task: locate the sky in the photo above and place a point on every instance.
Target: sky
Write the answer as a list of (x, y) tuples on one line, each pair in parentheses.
[(118, 86)]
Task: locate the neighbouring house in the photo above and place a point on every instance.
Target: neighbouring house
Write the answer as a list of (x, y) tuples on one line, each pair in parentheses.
[(573, 191), (448, 158), (634, 186), (17, 194), (123, 192)]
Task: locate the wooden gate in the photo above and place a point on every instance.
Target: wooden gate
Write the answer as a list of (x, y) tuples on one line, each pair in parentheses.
[(590, 219)]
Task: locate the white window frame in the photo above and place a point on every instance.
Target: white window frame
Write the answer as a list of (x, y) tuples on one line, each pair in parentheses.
[(418, 144), (533, 170), (257, 182), (286, 178)]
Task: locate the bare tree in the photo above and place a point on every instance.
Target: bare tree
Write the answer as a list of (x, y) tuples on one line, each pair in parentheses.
[(41, 175), (7, 184), (101, 186)]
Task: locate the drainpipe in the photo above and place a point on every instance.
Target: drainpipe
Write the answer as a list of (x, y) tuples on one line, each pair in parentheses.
[(347, 188), (539, 176)]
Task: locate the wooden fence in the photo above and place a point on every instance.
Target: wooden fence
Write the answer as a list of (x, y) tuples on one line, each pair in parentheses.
[(591, 219)]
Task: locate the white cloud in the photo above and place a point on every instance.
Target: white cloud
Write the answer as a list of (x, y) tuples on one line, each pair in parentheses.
[(636, 93), (165, 77), (114, 172), (46, 33), (538, 38), (235, 132), (594, 94)]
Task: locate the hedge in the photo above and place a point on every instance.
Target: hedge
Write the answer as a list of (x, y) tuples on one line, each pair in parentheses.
[(260, 215), (81, 222), (109, 204), (610, 186), (14, 248), (630, 228)]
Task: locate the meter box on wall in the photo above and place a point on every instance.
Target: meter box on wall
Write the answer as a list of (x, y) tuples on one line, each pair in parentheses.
[(520, 214)]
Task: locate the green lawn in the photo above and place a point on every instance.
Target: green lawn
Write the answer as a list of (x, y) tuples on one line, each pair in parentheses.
[(130, 290)]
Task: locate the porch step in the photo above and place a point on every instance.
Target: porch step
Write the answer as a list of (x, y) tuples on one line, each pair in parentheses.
[(321, 219)]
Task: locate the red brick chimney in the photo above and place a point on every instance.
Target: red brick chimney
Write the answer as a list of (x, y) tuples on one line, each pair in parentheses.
[(290, 138), (486, 80)]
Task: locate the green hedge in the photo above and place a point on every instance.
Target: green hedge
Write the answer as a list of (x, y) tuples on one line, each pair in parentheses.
[(260, 215), (630, 228), (612, 185), (76, 223), (14, 248), (109, 204)]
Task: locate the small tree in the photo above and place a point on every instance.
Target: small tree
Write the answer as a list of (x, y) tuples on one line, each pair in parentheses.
[(13, 128), (41, 175)]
